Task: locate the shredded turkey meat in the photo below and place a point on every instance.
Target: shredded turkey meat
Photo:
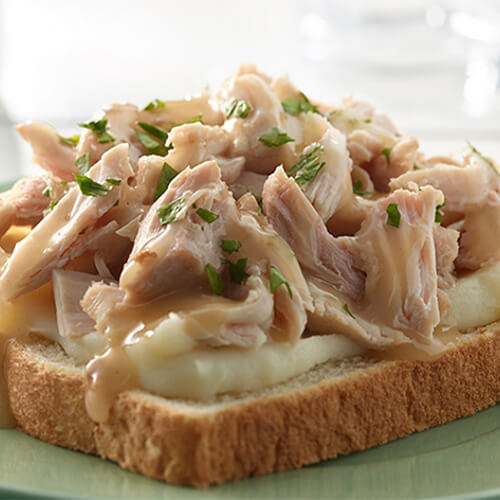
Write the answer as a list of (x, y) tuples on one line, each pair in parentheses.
[(249, 215)]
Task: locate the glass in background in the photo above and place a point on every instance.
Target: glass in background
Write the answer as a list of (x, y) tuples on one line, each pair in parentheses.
[(433, 64)]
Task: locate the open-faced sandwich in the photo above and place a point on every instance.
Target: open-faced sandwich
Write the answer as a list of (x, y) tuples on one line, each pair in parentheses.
[(245, 281)]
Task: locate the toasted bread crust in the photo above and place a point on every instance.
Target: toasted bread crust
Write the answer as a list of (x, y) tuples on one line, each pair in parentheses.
[(256, 436)]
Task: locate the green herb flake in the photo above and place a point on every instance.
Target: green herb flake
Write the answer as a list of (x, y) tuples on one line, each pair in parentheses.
[(258, 200), (166, 177), (72, 140), (416, 167), (206, 215), (484, 158), (230, 246), (215, 281), (368, 120), (99, 127), (114, 182), (64, 183), (154, 104), (237, 270), (83, 163), (275, 137), (346, 309), (296, 106), (230, 108), (439, 216), (53, 204), (240, 109), (357, 189), (393, 215), (169, 212), (89, 187), (155, 131), (153, 147), (387, 153), (195, 119), (308, 174), (115, 204), (276, 279), (308, 165), (46, 192)]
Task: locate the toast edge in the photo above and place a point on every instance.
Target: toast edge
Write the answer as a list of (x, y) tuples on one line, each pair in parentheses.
[(274, 433)]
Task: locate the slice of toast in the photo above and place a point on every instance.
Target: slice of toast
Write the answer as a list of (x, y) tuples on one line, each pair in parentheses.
[(334, 409)]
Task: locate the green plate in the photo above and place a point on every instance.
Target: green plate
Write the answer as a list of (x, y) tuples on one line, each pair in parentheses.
[(457, 460)]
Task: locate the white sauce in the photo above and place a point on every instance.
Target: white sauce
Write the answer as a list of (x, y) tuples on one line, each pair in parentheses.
[(169, 362), (200, 374)]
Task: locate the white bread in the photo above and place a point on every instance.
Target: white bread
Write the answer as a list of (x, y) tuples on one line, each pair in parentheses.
[(334, 409)]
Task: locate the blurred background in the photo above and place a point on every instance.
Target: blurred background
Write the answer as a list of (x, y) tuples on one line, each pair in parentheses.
[(433, 66)]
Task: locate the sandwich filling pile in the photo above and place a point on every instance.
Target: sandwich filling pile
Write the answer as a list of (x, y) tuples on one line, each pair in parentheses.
[(182, 245)]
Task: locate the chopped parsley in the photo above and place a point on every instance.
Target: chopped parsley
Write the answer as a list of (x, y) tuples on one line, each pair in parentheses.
[(114, 182), (416, 167), (89, 187), (169, 212), (296, 106), (214, 280), (53, 204), (46, 192), (387, 153), (308, 165), (275, 137), (393, 215), (276, 279), (346, 309), (357, 188), (230, 246), (237, 270), (484, 158), (259, 202), (154, 104), (64, 183), (166, 177), (368, 120), (240, 109), (439, 216), (230, 108), (153, 147), (72, 140), (83, 163), (207, 215), (99, 127), (195, 119), (155, 131)]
